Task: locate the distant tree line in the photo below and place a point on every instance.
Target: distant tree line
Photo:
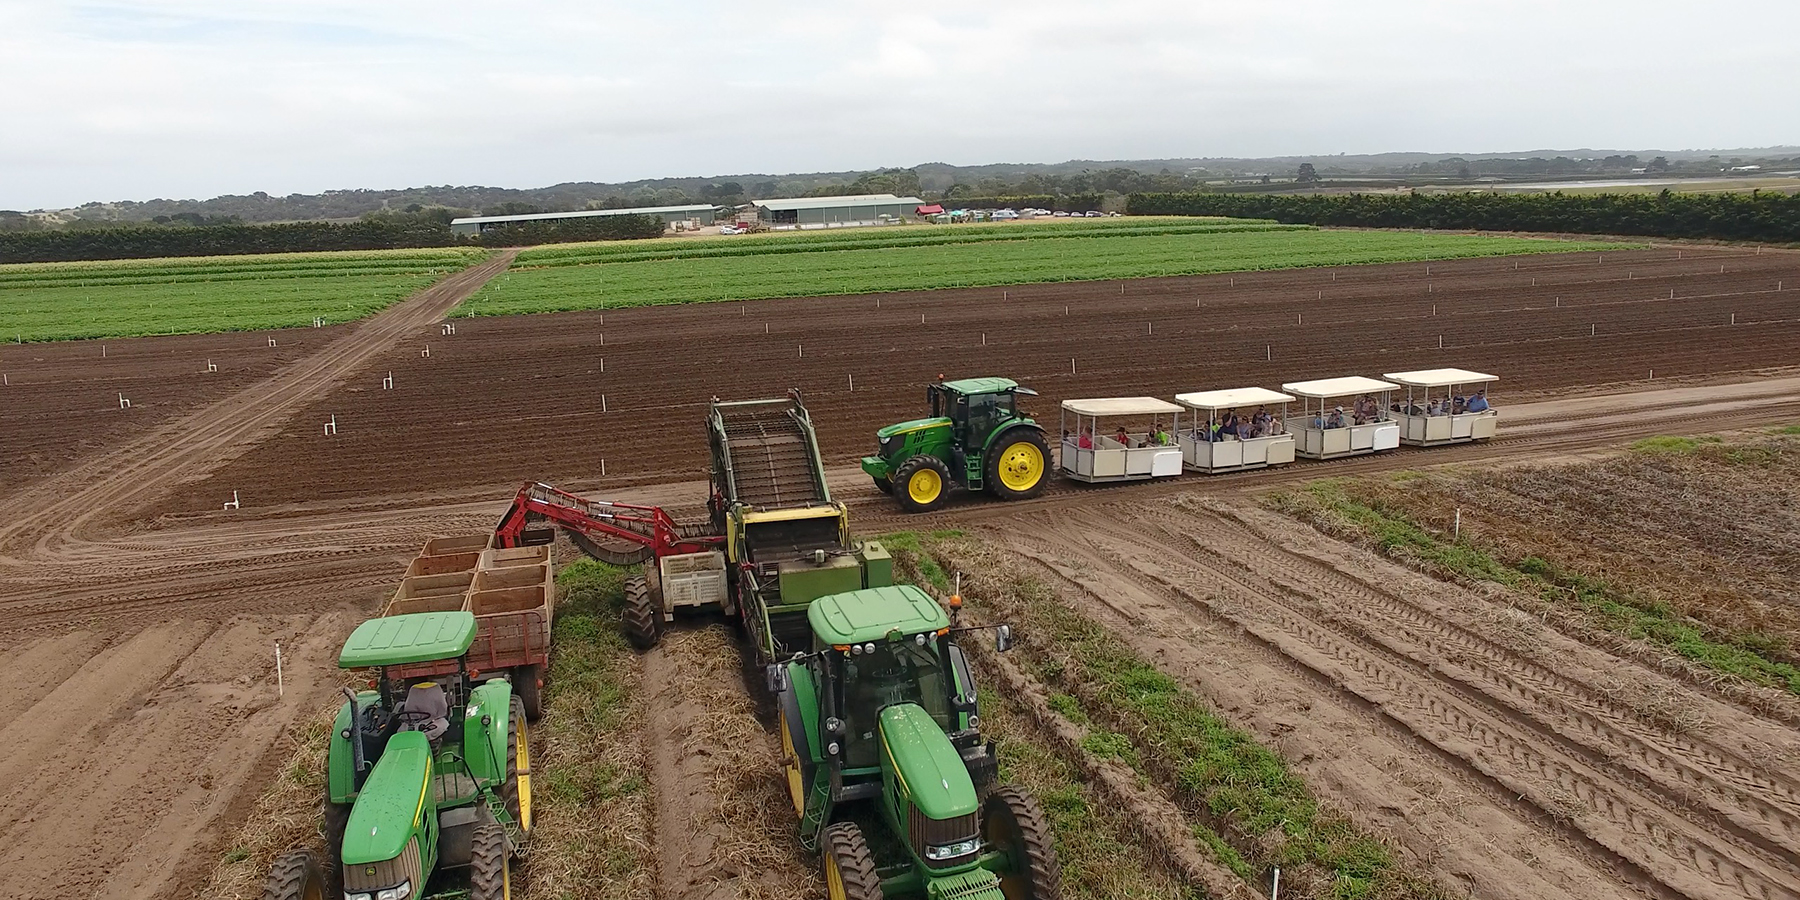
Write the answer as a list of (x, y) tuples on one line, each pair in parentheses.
[(374, 233), (1754, 216)]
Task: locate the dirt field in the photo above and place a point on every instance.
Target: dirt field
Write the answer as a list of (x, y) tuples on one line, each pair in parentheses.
[(137, 618)]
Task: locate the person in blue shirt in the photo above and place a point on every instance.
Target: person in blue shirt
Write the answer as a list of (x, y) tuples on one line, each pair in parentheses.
[(1478, 403)]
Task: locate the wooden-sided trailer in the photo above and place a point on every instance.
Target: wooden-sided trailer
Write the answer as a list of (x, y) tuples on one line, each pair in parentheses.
[(1106, 458), (1209, 447), (1436, 410), (1327, 429)]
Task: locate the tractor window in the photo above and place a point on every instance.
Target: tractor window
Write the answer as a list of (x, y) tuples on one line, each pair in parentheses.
[(986, 412), (897, 672)]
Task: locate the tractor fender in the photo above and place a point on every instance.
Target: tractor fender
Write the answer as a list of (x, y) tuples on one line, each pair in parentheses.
[(800, 706), (993, 439), (485, 726)]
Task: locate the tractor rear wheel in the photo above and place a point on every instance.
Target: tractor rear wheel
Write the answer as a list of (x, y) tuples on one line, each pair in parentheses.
[(1013, 822), (528, 690), (921, 484), (1018, 466), (490, 864), (849, 866), (516, 790), (295, 876), (643, 621)]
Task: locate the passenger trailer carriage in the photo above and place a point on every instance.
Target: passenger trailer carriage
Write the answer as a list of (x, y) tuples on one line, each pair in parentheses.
[(1426, 425), (1141, 455), (1201, 452), (1328, 429)]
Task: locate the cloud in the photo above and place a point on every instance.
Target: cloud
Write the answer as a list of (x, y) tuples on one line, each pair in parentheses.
[(194, 98)]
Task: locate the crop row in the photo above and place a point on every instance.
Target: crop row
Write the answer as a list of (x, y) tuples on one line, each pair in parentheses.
[(1050, 259), (274, 266)]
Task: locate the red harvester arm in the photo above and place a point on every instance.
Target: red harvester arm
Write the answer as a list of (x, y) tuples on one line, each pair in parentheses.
[(601, 520)]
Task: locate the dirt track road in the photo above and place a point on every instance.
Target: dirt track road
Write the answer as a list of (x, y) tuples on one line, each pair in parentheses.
[(140, 645)]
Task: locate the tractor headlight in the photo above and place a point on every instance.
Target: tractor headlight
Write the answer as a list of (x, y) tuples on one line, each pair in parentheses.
[(941, 852), (396, 893), (869, 647)]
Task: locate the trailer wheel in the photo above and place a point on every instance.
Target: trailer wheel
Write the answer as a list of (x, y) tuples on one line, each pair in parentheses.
[(295, 876), (1018, 465), (527, 689), (490, 865), (921, 483), (643, 621), (849, 867), (1013, 822)]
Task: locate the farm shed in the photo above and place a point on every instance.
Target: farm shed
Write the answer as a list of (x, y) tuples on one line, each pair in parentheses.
[(477, 224), (825, 212)]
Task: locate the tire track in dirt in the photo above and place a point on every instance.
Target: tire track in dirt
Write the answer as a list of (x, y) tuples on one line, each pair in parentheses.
[(1757, 804), (1636, 828)]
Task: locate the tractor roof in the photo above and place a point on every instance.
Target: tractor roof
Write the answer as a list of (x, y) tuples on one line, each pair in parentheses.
[(981, 385), (410, 638), (855, 617)]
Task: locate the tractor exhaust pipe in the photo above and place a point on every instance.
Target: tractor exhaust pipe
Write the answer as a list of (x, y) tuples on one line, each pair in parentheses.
[(355, 738)]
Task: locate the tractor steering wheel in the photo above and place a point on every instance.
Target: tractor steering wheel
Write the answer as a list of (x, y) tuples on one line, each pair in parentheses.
[(412, 718)]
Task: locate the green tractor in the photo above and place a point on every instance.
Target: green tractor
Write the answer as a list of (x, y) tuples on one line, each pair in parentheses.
[(428, 785), (975, 437), (879, 723)]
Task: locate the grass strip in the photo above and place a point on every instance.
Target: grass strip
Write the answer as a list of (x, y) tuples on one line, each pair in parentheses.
[(831, 268), (1336, 507), (1242, 800), (591, 798)]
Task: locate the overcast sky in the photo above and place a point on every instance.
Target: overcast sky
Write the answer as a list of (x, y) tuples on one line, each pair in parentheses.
[(194, 98)]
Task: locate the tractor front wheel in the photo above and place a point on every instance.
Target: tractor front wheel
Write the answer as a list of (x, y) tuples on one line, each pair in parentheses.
[(1018, 466), (921, 484), (849, 866), (490, 864), (882, 484), (643, 621), (295, 876), (1013, 822)]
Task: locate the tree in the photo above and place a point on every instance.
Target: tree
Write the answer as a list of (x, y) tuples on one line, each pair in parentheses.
[(1306, 175), (1659, 164)]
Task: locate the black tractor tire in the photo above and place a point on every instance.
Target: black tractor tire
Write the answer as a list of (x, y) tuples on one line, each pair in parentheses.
[(848, 864), (1011, 820), (643, 620), (490, 863), (296, 876), (617, 553), (509, 789), (336, 819), (903, 484), (882, 484), (998, 461), (529, 691)]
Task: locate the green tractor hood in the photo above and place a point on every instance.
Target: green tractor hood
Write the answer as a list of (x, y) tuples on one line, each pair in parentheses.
[(914, 425), (392, 803), (931, 773)]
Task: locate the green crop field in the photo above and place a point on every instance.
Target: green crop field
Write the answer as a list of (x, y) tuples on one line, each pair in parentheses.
[(65, 301), (857, 261)]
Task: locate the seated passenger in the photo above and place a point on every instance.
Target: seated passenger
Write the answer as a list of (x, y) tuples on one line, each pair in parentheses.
[(1161, 436), (1123, 438), (1245, 431), (1436, 408), (1458, 405), (1086, 442), (1336, 419), (1478, 403)]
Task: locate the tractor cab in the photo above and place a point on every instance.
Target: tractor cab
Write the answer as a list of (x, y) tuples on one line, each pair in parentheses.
[(427, 774), (975, 437), (884, 710)]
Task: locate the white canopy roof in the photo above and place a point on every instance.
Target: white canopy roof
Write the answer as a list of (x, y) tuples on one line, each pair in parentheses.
[(1120, 406), (1440, 377), (1231, 398), (1337, 387)]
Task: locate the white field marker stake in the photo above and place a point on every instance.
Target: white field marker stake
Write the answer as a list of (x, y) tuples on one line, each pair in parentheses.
[(603, 365), (1671, 293), (921, 318), (1065, 309), (1151, 326), (280, 688), (449, 328), (102, 351), (802, 350), (1734, 318), (124, 403), (1456, 534), (331, 426), (234, 503), (603, 403), (1434, 309), (4, 380), (602, 338), (1593, 330), (852, 378), (1275, 889), (1071, 365), (271, 342), (603, 465), (1268, 352), (387, 384), (765, 328), (211, 367), (1652, 374), (984, 339), (425, 353)]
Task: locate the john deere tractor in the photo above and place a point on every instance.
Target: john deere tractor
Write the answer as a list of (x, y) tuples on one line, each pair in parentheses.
[(428, 784), (879, 723), (975, 438)]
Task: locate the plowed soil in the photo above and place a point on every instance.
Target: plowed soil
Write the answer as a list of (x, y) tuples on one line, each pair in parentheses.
[(138, 619)]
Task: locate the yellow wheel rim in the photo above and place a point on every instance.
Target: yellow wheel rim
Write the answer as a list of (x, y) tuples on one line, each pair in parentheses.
[(506, 880), (924, 486), (1021, 466), (791, 757), (834, 879), (524, 778)]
